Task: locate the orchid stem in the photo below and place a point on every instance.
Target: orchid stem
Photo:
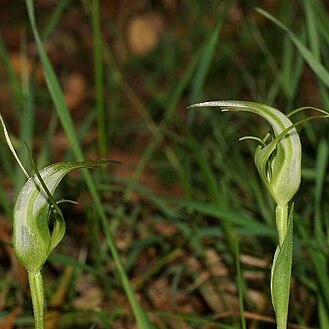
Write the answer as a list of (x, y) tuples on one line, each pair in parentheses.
[(38, 300), (281, 216), (282, 278)]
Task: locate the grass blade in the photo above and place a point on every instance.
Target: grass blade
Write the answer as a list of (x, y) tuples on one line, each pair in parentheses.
[(308, 56), (242, 221), (321, 170), (98, 71), (11, 74), (240, 282), (55, 17), (67, 123), (199, 80), (172, 102)]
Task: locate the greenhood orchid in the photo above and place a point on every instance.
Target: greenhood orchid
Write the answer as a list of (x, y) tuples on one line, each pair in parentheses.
[(278, 161), (39, 224)]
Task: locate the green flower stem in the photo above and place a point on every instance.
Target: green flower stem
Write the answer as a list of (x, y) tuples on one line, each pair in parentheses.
[(282, 265), (38, 299), (278, 160), (281, 217)]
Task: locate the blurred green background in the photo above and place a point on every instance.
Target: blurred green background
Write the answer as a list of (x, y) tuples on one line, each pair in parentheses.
[(189, 215)]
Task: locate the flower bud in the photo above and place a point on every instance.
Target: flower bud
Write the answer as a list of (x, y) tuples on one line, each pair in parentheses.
[(278, 160), (35, 208)]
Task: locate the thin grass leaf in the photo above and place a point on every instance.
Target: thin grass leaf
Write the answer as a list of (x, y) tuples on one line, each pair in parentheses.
[(312, 32), (5, 202), (178, 90), (321, 171), (27, 119), (321, 20), (308, 56), (320, 266), (323, 314), (99, 77), (242, 221), (199, 80), (55, 17), (32, 238), (208, 174), (11, 74), (317, 36), (212, 188), (53, 85), (11, 147), (241, 285), (67, 123), (57, 258), (282, 80)]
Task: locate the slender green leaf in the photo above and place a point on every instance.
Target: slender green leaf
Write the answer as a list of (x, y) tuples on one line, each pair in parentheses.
[(242, 221), (309, 57), (68, 126), (281, 274), (313, 35), (323, 314), (202, 71), (169, 112), (321, 170), (55, 17), (240, 282), (98, 71)]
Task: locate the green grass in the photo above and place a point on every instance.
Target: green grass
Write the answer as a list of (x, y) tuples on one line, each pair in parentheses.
[(66, 121), (99, 78), (187, 189)]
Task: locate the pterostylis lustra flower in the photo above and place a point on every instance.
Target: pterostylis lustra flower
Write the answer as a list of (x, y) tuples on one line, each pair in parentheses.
[(278, 161), (39, 224)]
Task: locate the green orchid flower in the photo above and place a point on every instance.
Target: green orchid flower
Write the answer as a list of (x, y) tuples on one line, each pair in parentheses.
[(35, 212), (39, 224), (278, 161)]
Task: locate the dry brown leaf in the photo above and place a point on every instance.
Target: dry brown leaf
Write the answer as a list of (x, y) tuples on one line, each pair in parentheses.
[(9, 320), (219, 294), (259, 299), (254, 261), (130, 160), (143, 33), (52, 319), (20, 64), (159, 294), (215, 263), (90, 295), (90, 299), (165, 228), (75, 90), (124, 239)]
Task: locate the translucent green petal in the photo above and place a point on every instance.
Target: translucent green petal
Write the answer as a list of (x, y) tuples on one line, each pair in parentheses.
[(32, 238), (285, 168)]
